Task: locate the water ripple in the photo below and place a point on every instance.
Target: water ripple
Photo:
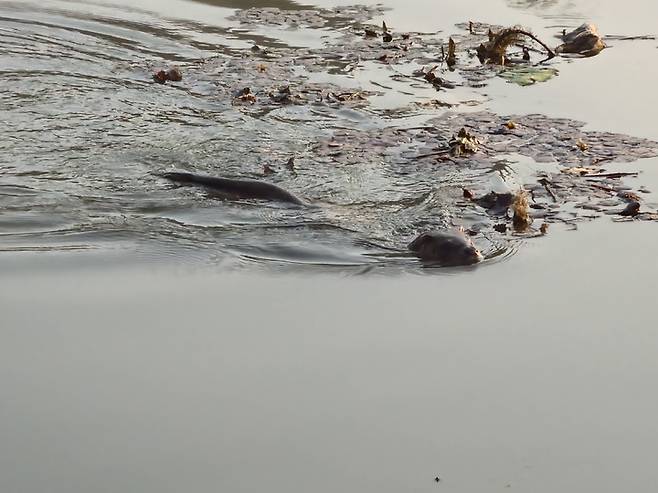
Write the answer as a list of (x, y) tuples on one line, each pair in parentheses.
[(86, 130)]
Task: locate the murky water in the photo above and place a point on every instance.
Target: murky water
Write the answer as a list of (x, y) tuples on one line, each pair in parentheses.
[(131, 360), (86, 130), (535, 374)]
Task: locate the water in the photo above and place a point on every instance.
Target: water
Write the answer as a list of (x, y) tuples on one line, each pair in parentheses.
[(156, 339), (87, 131)]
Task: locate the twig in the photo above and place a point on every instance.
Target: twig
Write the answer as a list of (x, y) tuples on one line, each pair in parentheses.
[(612, 175), (409, 129), (432, 154), (616, 37), (550, 52), (545, 183), (602, 160), (603, 187)]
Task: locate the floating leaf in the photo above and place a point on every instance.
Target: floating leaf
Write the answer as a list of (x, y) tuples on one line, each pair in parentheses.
[(527, 76), (582, 145)]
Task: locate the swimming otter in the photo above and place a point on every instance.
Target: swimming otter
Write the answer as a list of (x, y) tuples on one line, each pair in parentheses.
[(449, 248), (236, 189)]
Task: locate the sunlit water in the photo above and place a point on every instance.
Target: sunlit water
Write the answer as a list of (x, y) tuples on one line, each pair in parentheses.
[(86, 130), (131, 361)]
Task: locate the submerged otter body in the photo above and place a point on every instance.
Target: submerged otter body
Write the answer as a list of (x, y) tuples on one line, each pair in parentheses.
[(449, 248), (237, 189)]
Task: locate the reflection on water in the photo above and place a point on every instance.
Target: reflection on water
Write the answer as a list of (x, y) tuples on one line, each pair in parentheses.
[(503, 379), (530, 375), (87, 130)]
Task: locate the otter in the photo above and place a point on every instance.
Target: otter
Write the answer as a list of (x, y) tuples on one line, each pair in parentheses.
[(236, 189), (447, 248)]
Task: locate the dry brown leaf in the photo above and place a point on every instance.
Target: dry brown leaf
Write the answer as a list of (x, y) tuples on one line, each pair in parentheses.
[(521, 219), (582, 145)]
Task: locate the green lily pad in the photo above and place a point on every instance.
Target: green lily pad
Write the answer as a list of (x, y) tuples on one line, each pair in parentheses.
[(526, 76)]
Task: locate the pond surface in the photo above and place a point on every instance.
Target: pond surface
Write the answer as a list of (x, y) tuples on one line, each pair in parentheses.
[(87, 132), (156, 339)]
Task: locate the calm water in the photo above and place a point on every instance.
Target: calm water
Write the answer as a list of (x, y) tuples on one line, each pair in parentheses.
[(155, 339)]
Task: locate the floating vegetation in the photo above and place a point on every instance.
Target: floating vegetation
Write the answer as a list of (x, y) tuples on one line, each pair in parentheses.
[(172, 74), (521, 220), (245, 96), (378, 163), (527, 75), (463, 143), (494, 51), (632, 209), (387, 37), (584, 41), (451, 58)]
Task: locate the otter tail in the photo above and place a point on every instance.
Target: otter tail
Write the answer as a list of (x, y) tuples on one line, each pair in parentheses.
[(180, 177)]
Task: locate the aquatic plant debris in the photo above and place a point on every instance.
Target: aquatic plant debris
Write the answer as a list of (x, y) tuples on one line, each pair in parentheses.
[(336, 17), (463, 143), (172, 74), (521, 220), (245, 96), (584, 41), (632, 209), (344, 104), (495, 49), (449, 156), (568, 186), (451, 57), (470, 141), (387, 37), (528, 75)]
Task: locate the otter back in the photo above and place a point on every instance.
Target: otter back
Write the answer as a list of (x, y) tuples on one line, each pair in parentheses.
[(239, 189)]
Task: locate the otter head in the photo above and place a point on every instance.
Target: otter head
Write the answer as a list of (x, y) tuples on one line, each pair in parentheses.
[(446, 248)]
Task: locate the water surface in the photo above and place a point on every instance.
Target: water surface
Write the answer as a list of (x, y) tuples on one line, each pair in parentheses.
[(87, 131), (155, 339)]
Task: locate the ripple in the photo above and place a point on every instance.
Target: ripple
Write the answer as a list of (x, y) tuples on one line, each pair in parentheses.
[(86, 130)]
